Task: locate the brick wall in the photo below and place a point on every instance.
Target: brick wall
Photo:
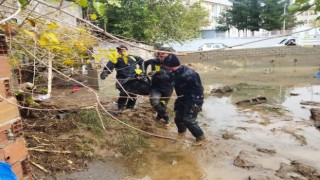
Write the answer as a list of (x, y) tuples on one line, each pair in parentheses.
[(285, 55), (12, 144)]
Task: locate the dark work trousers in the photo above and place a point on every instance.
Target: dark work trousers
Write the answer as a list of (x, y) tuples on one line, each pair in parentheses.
[(125, 101), (186, 119), (159, 100)]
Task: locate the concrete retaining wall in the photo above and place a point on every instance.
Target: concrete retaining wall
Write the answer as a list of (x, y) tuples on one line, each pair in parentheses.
[(286, 55)]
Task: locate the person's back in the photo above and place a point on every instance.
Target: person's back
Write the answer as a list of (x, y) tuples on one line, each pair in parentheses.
[(160, 75), (188, 87), (161, 86), (187, 84)]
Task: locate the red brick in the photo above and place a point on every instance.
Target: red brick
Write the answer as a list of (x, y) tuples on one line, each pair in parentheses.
[(5, 90), (4, 128), (3, 137), (14, 126), (17, 169), (15, 151), (2, 155), (2, 90), (3, 45), (5, 69), (17, 128), (8, 111), (6, 125)]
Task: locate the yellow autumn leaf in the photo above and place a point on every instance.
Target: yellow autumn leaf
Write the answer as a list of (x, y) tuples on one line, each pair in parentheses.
[(43, 41), (52, 25), (33, 34), (56, 47), (97, 57), (100, 50), (51, 37), (81, 29), (69, 62), (113, 55), (83, 3), (93, 17), (81, 47)]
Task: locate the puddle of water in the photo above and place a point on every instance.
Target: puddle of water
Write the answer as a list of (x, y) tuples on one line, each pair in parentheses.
[(166, 160), (280, 134), (292, 103)]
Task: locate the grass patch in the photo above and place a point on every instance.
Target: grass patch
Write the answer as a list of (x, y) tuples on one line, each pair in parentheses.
[(89, 120), (132, 142)]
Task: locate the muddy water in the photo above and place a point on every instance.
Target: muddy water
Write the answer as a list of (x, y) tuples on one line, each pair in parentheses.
[(289, 133), (251, 134), (170, 160)]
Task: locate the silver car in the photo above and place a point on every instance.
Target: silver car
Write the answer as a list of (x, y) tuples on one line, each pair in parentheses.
[(211, 46)]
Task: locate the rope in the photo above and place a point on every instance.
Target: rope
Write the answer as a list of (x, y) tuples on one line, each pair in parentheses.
[(101, 106)]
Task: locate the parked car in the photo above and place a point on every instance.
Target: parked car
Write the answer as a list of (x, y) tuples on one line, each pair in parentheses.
[(291, 41), (211, 46), (300, 41)]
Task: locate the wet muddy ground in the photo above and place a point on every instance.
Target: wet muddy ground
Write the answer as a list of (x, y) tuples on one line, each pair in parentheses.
[(273, 140)]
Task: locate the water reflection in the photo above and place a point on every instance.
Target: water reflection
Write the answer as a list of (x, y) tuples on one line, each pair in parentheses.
[(292, 103)]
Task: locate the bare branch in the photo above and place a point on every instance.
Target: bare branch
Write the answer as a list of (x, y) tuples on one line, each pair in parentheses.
[(13, 15)]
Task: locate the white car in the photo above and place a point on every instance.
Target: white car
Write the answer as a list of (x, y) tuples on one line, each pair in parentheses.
[(291, 41), (211, 46)]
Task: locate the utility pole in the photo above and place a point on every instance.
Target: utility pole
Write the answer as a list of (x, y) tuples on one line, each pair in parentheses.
[(284, 19)]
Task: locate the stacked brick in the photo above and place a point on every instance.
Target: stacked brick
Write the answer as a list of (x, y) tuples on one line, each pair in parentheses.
[(12, 144)]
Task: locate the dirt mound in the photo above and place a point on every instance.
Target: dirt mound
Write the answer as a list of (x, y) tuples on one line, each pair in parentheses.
[(64, 141)]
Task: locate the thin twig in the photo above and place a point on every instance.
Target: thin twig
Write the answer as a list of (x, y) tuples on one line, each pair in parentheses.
[(99, 115), (38, 166), (50, 151)]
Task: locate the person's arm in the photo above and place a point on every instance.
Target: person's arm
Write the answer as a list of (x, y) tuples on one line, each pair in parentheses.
[(139, 61), (107, 70), (197, 92), (146, 64)]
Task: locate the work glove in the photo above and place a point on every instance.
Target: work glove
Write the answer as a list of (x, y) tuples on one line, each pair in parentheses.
[(104, 74), (197, 106)]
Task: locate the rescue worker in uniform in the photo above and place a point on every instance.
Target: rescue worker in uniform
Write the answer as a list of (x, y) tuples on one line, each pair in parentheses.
[(161, 86), (189, 90), (125, 65)]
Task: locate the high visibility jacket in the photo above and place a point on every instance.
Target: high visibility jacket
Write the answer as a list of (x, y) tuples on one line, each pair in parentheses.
[(161, 79), (125, 67)]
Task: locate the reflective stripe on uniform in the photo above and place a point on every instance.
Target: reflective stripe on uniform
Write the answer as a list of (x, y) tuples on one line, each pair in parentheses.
[(157, 68)]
